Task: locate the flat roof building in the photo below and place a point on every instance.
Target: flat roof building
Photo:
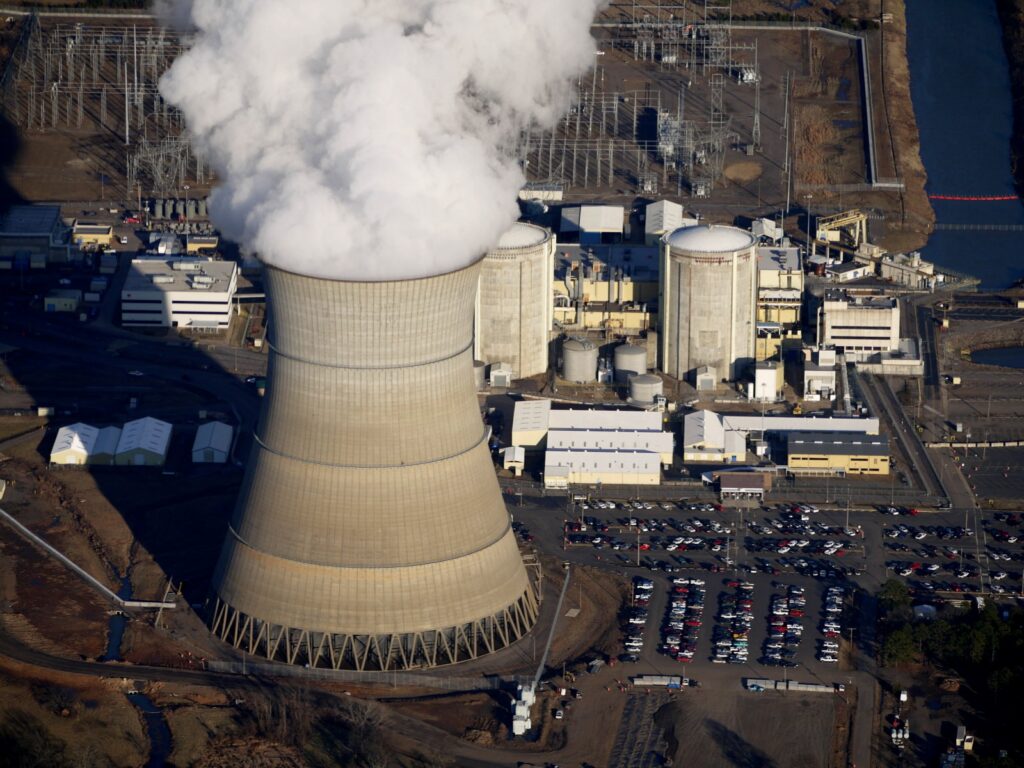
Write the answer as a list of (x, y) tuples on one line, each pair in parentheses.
[(184, 293), (859, 326), (34, 230), (662, 217), (530, 422), (565, 468), (594, 224), (95, 235), (837, 453)]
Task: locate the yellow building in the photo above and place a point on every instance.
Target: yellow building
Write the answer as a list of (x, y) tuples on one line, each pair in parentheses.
[(780, 293), (98, 235), (835, 453), (198, 243)]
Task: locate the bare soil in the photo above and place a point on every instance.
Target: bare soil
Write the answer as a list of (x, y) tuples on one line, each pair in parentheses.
[(723, 729)]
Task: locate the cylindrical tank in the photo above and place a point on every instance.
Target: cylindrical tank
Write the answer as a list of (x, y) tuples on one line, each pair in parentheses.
[(514, 305), (370, 531), (158, 208), (191, 206), (708, 286), (201, 209), (179, 207), (644, 388), (579, 361), (479, 374), (629, 360)]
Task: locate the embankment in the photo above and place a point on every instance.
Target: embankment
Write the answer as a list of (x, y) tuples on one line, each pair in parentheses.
[(1011, 16)]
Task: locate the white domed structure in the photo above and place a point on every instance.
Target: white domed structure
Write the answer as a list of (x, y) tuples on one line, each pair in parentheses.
[(514, 302), (708, 300)]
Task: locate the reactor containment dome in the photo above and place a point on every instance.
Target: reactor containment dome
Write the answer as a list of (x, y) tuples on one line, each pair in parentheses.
[(370, 531), (514, 309), (708, 300)]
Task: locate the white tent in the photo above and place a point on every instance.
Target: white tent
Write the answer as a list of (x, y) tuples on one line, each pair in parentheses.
[(74, 444), (212, 444), (144, 442)]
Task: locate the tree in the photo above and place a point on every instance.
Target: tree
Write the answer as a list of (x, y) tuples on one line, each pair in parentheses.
[(899, 646), (895, 597)]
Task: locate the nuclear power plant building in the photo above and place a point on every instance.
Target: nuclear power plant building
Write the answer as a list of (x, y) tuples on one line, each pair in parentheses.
[(514, 303), (370, 531), (708, 299)]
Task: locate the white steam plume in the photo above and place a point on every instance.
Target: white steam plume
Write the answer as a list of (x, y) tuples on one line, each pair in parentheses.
[(361, 139)]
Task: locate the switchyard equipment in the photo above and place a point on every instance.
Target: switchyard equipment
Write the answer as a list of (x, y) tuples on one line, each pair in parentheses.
[(370, 532), (708, 296)]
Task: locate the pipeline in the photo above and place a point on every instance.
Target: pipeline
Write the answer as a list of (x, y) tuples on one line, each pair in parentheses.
[(977, 198)]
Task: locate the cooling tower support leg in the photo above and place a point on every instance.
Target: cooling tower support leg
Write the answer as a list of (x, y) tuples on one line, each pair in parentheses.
[(414, 650)]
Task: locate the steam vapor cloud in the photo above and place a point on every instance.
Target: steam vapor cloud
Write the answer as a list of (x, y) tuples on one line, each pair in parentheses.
[(363, 139)]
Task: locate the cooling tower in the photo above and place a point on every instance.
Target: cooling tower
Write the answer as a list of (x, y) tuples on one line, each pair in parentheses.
[(370, 532)]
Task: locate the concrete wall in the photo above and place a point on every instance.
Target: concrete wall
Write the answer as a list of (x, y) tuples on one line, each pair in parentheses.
[(707, 312)]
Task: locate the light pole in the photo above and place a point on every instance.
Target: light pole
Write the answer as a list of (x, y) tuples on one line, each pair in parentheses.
[(186, 188)]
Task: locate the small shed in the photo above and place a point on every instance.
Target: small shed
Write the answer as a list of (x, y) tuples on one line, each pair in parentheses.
[(213, 443), (73, 445), (144, 443)]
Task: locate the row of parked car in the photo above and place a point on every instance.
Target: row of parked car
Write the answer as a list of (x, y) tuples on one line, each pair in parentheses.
[(683, 618), (732, 632), (785, 628), (636, 619), (831, 625)]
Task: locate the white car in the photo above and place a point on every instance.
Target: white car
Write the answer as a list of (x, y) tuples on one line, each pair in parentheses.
[(828, 659), (999, 576)]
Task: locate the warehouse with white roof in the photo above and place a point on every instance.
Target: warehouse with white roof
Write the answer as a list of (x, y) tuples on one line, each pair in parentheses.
[(589, 447), (74, 444), (105, 449), (144, 442), (212, 444)]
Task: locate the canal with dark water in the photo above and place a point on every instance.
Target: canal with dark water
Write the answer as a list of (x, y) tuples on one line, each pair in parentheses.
[(960, 85)]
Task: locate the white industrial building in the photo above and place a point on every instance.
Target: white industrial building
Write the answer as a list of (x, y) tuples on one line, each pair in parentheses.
[(860, 327), (589, 447), (81, 444), (909, 269), (820, 375), (184, 293), (74, 444), (662, 217), (722, 437), (212, 444), (595, 224), (514, 301), (708, 297), (848, 271), (144, 442), (767, 381)]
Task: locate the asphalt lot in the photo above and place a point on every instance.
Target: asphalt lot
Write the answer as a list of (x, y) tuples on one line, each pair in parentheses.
[(951, 554)]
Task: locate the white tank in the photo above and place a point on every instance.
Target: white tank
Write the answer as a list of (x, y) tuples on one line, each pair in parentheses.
[(708, 299), (629, 360), (644, 388), (579, 361), (514, 302)]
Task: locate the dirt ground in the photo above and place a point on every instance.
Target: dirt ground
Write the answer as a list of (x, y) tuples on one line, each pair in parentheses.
[(725, 729), (88, 722)]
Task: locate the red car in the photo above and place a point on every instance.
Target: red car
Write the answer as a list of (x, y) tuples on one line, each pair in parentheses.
[(132, 220)]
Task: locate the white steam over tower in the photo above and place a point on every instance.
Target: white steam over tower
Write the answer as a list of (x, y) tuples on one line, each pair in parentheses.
[(370, 531)]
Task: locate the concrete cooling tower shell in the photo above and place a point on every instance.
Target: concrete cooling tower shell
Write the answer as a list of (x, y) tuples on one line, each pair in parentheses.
[(370, 532), (514, 304), (708, 298)]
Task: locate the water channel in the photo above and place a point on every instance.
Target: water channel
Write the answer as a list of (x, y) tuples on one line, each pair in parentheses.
[(960, 85), (1008, 357)]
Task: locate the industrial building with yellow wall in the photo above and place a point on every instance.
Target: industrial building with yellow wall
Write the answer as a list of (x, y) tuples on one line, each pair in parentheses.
[(837, 453)]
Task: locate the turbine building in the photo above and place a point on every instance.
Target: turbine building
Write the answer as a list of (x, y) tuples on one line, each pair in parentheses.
[(370, 531)]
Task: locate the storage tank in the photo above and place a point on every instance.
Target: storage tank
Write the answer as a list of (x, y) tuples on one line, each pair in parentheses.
[(201, 207), (708, 299), (191, 206), (629, 360), (579, 361), (644, 388), (514, 308), (479, 374), (179, 207), (370, 531), (158, 208)]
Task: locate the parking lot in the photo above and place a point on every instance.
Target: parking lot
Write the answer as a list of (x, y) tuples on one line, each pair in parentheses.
[(722, 593)]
